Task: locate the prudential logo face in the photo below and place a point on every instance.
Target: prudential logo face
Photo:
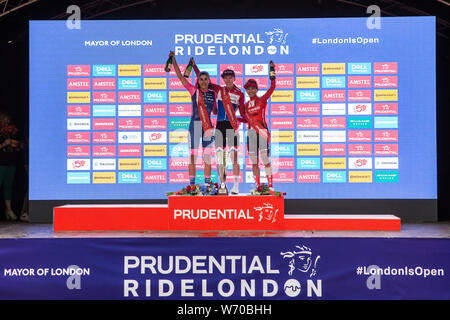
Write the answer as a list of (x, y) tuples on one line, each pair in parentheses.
[(266, 212), (273, 41), (277, 38), (301, 262), (277, 35)]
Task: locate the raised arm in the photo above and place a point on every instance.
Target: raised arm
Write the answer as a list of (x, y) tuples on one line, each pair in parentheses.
[(196, 69), (177, 69), (269, 92)]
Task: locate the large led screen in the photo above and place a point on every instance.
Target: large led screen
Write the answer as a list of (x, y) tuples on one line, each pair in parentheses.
[(352, 115)]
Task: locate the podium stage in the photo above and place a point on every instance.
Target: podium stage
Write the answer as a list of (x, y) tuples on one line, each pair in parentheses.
[(241, 212)]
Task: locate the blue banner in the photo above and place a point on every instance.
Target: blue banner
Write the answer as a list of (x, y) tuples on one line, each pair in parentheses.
[(225, 268)]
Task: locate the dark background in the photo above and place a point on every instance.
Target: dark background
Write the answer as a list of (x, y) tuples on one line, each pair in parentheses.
[(14, 49)]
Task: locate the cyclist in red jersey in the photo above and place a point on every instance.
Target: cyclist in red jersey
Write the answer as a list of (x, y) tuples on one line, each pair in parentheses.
[(258, 136), (229, 99)]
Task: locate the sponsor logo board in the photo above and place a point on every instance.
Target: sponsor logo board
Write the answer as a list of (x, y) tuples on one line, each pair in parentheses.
[(154, 70), (307, 68), (129, 164), (359, 68), (129, 136), (308, 136), (104, 137), (78, 97), (308, 176), (104, 151), (334, 176), (155, 177), (307, 82), (334, 149), (104, 164), (333, 68), (78, 83), (385, 122), (78, 124), (386, 176), (103, 177), (78, 164), (308, 123), (129, 70), (308, 163), (308, 149), (359, 163), (334, 163), (78, 137), (78, 177), (104, 70), (78, 70), (386, 162), (334, 136), (155, 150), (129, 177), (360, 176), (106, 110), (331, 109), (130, 83)]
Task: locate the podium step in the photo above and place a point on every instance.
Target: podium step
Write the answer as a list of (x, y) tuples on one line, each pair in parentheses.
[(240, 212), (210, 213), (380, 222), (111, 217)]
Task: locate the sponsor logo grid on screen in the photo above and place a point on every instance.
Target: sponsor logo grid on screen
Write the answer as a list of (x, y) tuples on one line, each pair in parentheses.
[(330, 123)]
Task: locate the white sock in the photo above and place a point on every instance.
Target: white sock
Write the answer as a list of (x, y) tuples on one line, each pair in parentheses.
[(236, 180)]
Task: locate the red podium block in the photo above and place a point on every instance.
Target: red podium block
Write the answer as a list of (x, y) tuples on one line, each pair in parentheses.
[(241, 212), (111, 217)]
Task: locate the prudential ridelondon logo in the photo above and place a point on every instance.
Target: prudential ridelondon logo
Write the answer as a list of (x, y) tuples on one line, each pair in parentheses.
[(302, 263), (273, 41)]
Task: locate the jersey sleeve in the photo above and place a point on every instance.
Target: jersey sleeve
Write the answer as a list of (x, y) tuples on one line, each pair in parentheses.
[(241, 104), (242, 108), (241, 98), (269, 92), (191, 88), (196, 70), (216, 88)]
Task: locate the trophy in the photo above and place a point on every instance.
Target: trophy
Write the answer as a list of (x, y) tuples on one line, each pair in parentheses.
[(223, 190)]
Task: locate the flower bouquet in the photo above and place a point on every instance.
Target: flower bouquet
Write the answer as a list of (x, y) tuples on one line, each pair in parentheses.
[(264, 190), (207, 189)]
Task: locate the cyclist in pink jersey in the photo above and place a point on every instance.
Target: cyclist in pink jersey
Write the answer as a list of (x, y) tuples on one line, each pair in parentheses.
[(207, 103)]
